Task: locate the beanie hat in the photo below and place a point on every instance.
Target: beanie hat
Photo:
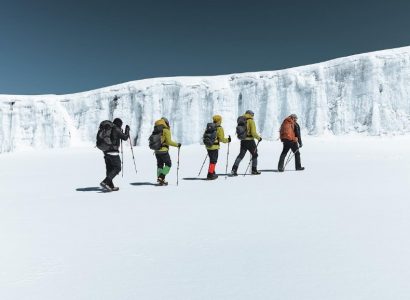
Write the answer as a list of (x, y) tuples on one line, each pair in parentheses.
[(249, 112), (217, 119), (118, 122)]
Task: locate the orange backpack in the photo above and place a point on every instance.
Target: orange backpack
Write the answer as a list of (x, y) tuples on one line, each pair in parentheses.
[(287, 130)]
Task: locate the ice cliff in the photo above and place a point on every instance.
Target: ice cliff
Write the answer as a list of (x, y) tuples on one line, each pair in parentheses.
[(366, 93)]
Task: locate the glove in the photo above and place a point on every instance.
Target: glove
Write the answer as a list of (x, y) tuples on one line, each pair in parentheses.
[(127, 129), (300, 145), (229, 139), (179, 145), (260, 139)]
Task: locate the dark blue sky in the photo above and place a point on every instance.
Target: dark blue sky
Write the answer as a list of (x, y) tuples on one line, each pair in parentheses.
[(70, 46)]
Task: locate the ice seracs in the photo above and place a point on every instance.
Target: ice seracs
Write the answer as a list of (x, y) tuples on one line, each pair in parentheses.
[(366, 93)]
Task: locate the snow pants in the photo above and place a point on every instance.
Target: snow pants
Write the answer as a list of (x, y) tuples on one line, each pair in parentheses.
[(113, 167), (213, 156), (213, 159), (287, 145), (247, 145), (163, 163)]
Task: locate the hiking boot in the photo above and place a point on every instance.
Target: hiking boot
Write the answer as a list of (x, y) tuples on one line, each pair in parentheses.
[(234, 173), (105, 186), (161, 181), (281, 170), (115, 188), (255, 172), (211, 176), (300, 169), (111, 185)]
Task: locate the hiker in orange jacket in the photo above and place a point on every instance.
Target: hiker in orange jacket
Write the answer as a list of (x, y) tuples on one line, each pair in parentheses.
[(291, 139)]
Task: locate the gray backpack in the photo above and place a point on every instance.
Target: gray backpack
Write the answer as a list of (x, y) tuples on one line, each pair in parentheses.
[(241, 128), (209, 136), (155, 138), (104, 142)]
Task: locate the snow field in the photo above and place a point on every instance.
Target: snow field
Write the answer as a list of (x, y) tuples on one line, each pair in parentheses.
[(338, 230)]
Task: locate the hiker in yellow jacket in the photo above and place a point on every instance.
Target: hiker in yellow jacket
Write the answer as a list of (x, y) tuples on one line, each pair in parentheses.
[(213, 149), (247, 138), (163, 159)]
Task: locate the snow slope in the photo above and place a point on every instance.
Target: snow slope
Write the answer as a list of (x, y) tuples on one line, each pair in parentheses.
[(367, 93), (339, 230)]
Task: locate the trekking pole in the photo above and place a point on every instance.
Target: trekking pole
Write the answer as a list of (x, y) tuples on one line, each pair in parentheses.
[(256, 149), (122, 161), (178, 166), (203, 165), (290, 158), (133, 158), (227, 162)]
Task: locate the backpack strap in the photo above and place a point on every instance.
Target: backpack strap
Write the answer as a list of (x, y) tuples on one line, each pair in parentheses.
[(163, 145), (217, 143), (247, 129)]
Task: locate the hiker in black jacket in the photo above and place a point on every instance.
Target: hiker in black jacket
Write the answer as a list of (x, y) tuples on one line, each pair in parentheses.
[(112, 156)]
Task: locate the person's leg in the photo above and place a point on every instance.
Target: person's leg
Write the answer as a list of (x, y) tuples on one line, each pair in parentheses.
[(115, 164), (295, 149), (107, 182), (239, 157), (166, 160), (253, 150), (286, 147), (107, 166), (160, 163), (213, 159)]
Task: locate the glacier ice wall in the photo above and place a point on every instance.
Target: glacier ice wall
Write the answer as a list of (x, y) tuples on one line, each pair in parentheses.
[(366, 93)]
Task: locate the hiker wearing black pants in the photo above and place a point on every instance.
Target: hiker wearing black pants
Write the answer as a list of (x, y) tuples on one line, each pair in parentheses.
[(215, 137), (112, 156), (292, 140), (162, 154), (248, 144)]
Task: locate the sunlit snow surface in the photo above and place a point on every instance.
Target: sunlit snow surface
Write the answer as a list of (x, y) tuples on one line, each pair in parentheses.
[(367, 93), (338, 230)]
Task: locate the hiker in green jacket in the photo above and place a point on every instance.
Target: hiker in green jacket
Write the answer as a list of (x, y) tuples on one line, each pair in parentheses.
[(214, 148), (248, 144), (163, 159)]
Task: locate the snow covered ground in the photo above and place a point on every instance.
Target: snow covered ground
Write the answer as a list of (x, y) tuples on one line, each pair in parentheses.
[(339, 230)]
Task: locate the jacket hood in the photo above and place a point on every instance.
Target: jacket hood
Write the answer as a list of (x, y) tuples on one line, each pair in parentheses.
[(289, 120), (248, 116), (161, 122), (217, 119)]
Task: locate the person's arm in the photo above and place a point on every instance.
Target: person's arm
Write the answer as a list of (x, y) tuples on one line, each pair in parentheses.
[(124, 135), (168, 139), (221, 135), (297, 133), (252, 129)]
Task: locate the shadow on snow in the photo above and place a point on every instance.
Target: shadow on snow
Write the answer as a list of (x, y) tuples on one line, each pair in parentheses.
[(91, 189), (144, 183)]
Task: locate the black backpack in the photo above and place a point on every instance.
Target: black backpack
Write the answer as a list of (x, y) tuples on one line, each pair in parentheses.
[(209, 136), (104, 141), (241, 128), (154, 139)]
